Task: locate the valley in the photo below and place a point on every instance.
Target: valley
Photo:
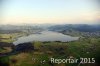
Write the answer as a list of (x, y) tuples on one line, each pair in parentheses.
[(33, 53)]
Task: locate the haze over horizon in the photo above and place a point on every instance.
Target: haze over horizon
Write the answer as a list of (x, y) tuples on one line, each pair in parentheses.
[(49, 11)]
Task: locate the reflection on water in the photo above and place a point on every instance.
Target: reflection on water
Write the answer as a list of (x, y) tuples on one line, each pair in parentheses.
[(46, 36)]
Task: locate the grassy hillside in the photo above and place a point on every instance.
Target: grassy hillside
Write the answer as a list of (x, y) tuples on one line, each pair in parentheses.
[(86, 48)]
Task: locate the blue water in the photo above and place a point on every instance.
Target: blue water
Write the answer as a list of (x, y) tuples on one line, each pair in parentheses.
[(46, 36)]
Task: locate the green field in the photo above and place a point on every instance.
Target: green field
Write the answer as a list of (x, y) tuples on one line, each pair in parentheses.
[(9, 38), (86, 48)]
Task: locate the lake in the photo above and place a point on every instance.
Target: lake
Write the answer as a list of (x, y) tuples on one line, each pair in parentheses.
[(45, 36)]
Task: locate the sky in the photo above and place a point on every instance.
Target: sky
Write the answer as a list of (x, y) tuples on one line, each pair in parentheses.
[(49, 11)]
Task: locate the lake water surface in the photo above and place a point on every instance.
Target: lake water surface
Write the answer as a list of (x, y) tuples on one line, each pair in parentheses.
[(46, 36)]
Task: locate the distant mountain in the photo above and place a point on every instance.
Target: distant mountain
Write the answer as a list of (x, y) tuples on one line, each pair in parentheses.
[(76, 27), (17, 29)]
